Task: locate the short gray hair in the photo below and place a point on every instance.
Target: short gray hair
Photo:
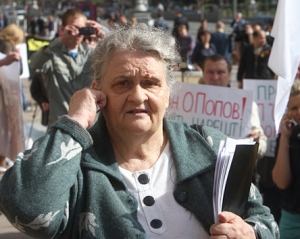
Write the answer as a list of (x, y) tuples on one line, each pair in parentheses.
[(141, 38)]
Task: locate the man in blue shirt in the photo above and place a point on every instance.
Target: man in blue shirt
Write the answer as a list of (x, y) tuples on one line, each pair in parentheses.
[(222, 41), (160, 22)]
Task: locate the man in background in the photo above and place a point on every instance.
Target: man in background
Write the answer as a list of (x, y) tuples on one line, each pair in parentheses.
[(222, 41), (270, 39), (160, 22), (65, 64), (203, 27), (41, 25), (217, 72), (238, 26), (254, 60)]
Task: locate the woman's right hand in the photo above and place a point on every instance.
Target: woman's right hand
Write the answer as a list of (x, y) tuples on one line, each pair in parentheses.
[(10, 58), (85, 104), (286, 125)]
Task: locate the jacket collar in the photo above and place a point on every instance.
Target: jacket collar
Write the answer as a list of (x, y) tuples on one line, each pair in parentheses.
[(191, 153)]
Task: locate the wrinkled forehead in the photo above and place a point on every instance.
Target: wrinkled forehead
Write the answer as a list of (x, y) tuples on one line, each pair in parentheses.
[(133, 53), (121, 56)]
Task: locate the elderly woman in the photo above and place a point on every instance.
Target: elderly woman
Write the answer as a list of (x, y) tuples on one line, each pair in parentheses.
[(130, 172)]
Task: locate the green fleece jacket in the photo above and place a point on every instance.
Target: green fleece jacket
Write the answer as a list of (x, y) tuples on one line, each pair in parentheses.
[(69, 184)]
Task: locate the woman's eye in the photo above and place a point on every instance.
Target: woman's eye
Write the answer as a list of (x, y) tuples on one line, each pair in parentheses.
[(121, 86), (149, 84), (123, 83)]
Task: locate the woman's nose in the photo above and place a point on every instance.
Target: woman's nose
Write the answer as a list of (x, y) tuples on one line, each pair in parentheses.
[(137, 93)]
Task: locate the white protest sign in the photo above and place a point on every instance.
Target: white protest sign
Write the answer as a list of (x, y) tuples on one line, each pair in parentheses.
[(23, 52), (223, 108), (264, 93)]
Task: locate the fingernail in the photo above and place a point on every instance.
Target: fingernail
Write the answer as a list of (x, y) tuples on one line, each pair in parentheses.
[(98, 108)]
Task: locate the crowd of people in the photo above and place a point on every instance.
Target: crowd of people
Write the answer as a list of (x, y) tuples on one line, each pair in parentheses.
[(42, 27), (111, 165)]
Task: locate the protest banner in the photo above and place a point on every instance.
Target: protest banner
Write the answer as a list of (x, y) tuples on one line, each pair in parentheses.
[(264, 94), (226, 109), (23, 52)]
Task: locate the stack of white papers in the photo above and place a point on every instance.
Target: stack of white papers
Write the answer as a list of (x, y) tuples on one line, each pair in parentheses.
[(226, 152)]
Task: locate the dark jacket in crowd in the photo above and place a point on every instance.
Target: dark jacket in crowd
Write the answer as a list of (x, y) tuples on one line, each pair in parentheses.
[(39, 94), (255, 66), (161, 23), (200, 53), (223, 44)]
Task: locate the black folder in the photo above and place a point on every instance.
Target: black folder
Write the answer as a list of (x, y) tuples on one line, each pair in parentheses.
[(239, 179)]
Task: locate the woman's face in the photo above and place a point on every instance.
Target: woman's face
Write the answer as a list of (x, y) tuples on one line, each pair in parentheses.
[(137, 92), (205, 38), (294, 108), (182, 31)]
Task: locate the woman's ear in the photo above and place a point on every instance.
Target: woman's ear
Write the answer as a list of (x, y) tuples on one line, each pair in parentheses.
[(95, 85)]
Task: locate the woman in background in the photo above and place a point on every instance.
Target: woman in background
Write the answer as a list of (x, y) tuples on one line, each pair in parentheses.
[(185, 42), (11, 125), (51, 28), (286, 170), (203, 49)]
